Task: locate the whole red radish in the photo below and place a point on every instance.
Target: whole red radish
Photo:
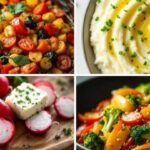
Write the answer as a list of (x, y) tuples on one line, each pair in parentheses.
[(7, 131), (4, 86), (5, 111)]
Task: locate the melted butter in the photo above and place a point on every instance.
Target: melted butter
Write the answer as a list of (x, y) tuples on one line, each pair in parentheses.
[(120, 5), (146, 30)]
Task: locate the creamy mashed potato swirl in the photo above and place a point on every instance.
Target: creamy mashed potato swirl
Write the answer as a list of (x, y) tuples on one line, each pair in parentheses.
[(120, 36)]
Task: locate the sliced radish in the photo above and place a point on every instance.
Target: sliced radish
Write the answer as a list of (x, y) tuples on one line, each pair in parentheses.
[(45, 82), (50, 93), (39, 123), (132, 118), (4, 86), (7, 131), (5, 111), (64, 106)]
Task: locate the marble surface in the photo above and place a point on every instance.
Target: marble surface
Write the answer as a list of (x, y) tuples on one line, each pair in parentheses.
[(81, 65)]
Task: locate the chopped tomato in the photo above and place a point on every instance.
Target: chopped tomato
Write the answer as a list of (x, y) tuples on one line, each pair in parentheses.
[(70, 38), (40, 9), (14, 1), (102, 104), (19, 26), (9, 42), (5, 68), (15, 70), (64, 62), (58, 12), (43, 46), (51, 29), (29, 68), (132, 118), (26, 44), (89, 118)]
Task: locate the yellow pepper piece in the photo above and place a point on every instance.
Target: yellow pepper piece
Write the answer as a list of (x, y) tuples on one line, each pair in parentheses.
[(117, 137), (142, 147), (32, 3), (145, 111)]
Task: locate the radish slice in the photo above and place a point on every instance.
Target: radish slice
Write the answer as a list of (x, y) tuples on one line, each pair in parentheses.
[(39, 123), (39, 82), (50, 93), (7, 131), (5, 111), (64, 106)]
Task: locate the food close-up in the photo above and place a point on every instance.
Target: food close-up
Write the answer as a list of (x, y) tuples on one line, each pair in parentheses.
[(116, 36), (36, 113), (36, 37), (118, 121)]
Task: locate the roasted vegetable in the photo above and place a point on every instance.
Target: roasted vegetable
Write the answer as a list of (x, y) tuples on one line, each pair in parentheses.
[(93, 142), (42, 34), (144, 88), (52, 56), (111, 116), (30, 23), (140, 133)]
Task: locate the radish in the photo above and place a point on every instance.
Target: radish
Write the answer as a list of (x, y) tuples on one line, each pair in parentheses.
[(7, 131), (50, 93), (5, 111), (64, 106), (45, 82), (4, 86), (39, 123)]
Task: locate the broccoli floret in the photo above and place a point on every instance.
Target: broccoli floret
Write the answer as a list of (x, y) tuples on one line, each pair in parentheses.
[(135, 100), (111, 116), (144, 88), (140, 133), (93, 142)]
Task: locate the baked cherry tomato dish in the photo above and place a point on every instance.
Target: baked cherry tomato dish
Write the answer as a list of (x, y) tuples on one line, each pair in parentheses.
[(36, 36), (121, 122)]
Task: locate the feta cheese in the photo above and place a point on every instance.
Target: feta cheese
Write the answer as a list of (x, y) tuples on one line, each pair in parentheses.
[(25, 100)]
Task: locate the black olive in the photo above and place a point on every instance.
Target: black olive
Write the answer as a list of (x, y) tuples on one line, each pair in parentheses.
[(4, 60), (30, 23), (42, 34), (52, 56)]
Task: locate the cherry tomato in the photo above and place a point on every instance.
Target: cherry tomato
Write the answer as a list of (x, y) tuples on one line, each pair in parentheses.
[(40, 9), (132, 118), (29, 68), (26, 44), (15, 70), (63, 62), (19, 26), (51, 29), (14, 1), (58, 12), (9, 42), (5, 68), (70, 38)]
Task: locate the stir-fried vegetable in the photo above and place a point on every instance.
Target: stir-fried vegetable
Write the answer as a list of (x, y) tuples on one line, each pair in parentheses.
[(121, 122)]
